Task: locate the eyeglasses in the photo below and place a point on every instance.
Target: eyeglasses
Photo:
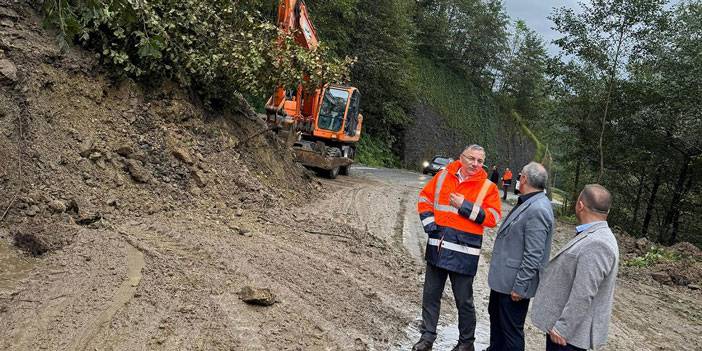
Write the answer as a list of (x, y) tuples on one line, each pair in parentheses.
[(472, 159)]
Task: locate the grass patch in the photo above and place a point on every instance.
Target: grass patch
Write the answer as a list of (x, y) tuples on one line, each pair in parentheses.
[(653, 256)]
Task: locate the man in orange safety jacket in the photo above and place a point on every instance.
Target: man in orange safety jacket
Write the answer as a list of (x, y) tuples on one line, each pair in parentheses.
[(455, 207), (506, 182)]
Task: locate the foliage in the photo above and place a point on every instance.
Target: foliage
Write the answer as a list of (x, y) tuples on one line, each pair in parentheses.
[(653, 256), (568, 218), (600, 36), (470, 35), (217, 47), (522, 83), (464, 107), (374, 152), (651, 145)]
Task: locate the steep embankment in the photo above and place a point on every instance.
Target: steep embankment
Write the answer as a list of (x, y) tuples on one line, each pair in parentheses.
[(452, 113), (79, 146)]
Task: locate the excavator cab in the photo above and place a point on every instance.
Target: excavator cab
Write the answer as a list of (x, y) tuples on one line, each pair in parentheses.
[(338, 117)]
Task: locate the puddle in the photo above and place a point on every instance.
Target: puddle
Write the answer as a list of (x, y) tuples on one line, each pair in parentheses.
[(447, 336), (13, 266)]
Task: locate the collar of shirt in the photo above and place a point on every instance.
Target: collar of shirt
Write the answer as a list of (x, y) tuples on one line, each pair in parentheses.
[(460, 177), (523, 198), (583, 227)]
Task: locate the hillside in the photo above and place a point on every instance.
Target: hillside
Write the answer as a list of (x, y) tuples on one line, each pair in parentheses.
[(452, 114)]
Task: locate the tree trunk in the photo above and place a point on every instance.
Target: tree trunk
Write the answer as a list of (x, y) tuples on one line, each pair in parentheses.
[(674, 209), (576, 193), (637, 202), (612, 76), (651, 201)]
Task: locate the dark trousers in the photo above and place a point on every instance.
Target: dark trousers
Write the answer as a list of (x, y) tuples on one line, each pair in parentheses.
[(552, 346), (462, 286), (505, 187), (506, 322)]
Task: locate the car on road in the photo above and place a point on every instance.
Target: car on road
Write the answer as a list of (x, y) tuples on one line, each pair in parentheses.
[(436, 164)]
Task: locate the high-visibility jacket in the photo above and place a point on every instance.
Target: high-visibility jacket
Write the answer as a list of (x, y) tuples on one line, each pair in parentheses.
[(507, 178), (456, 234)]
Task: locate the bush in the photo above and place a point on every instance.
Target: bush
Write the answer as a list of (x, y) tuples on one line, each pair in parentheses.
[(214, 46), (653, 256), (375, 152)]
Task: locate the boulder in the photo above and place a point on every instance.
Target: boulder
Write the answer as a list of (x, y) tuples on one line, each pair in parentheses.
[(87, 147), (199, 178), (57, 206), (138, 172), (8, 70), (124, 150), (245, 232), (183, 155), (257, 296), (661, 277)]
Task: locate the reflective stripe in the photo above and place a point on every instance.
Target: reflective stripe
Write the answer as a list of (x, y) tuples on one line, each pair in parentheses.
[(474, 212), (482, 193), (454, 247), (495, 214), (424, 199), (445, 208), (437, 189), (479, 201), (428, 220)]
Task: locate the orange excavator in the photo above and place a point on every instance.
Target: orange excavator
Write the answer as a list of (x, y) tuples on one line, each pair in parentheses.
[(322, 125)]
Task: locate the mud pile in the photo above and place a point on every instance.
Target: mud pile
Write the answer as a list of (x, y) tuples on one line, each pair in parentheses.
[(677, 265), (143, 216), (81, 148)]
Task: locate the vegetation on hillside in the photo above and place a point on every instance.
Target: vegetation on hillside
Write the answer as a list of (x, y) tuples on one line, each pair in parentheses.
[(218, 48)]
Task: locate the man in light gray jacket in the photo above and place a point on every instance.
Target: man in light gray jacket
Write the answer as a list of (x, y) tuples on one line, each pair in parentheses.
[(573, 303), (521, 250)]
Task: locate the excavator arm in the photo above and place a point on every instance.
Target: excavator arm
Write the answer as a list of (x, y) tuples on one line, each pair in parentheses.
[(286, 108), (322, 124), (293, 17)]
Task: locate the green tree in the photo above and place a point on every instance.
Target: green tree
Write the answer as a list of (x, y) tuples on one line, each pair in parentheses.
[(668, 71), (604, 34), (470, 35), (522, 80)]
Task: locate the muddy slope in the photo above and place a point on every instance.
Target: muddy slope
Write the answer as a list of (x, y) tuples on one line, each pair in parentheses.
[(143, 216)]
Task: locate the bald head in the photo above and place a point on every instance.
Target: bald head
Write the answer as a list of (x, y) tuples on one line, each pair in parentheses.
[(597, 199)]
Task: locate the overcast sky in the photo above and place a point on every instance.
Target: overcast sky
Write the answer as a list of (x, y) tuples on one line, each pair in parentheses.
[(534, 13)]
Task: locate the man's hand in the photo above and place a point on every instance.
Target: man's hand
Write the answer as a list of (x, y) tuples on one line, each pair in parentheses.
[(516, 297), (456, 200), (557, 338)]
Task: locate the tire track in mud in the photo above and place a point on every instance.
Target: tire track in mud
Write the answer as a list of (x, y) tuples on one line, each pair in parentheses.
[(399, 228), (125, 292)]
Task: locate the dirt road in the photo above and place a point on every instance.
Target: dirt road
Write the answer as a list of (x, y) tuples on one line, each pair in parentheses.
[(347, 272)]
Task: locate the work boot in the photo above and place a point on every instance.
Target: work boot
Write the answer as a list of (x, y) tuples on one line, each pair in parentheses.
[(463, 347), (422, 345)]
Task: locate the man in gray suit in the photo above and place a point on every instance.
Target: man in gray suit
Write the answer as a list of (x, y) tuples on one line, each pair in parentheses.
[(521, 250), (573, 303)]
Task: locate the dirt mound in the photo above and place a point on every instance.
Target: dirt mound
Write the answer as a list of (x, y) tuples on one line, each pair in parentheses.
[(680, 264), (38, 239), (687, 250), (80, 147)]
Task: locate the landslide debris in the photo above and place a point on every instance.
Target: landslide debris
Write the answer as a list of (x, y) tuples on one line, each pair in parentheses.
[(80, 147)]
